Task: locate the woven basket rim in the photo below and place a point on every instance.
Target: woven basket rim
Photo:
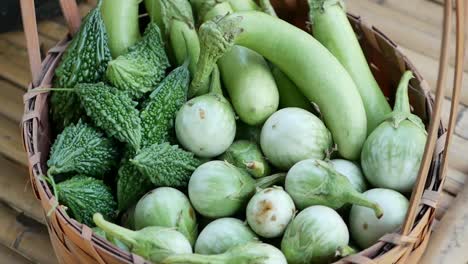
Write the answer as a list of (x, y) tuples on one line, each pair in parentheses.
[(32, 121)]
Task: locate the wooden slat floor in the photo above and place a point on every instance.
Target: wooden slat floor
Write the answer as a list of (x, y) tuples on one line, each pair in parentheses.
[(416, 26)]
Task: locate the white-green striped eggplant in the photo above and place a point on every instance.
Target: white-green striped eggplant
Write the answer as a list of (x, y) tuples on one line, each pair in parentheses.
[(392, 154)]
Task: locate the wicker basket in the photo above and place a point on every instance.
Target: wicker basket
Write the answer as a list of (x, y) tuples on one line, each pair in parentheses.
[(75, 243)]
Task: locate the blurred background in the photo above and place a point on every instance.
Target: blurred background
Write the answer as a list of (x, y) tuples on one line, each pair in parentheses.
[(413, 24)]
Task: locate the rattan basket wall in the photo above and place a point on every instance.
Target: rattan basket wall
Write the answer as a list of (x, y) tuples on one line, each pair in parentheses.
[(75, 243)]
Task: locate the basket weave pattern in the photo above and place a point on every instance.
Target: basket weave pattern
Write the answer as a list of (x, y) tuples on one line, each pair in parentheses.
[(74, 242)]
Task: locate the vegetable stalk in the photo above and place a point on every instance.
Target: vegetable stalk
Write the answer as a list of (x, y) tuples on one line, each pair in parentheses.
[(316, 72)]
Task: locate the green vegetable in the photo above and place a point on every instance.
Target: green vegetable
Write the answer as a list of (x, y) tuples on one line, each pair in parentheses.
[(131, 185), (142, 67), (98, 231), (166, 165), (84, 61), (352, 172), (247, 78), (332, 28), (392, 154), (167, 207), (249, 253), (121, 20), (82, 149), (113, 111), (247, 155), (289, 94), (206, 125), (157, 117), (270, 211), (152, 243), (365, 228), (317, 73), (219, 189), (222, 234), (314, 236), (293, 134), (315, 182), (85, 196)]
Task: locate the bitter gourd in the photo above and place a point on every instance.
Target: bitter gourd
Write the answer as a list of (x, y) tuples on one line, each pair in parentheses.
[(113, 111), (166, 165), (84, 61), (85, 196), (143, 67), (160, 109), (131, 185), (82, 149)]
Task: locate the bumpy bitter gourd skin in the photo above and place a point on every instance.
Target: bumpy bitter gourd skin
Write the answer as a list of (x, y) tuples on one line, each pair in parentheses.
[(113, 111), (84, 61), (157, 117), (166, 165), (142, 67), (85, 196), (131, 183), (82, 149)]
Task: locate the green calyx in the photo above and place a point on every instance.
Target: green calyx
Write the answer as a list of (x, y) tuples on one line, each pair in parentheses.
[(180, 10), (340, 187), (402, 108), (203, 7), (345, 251), (216, 37), (271, 180), (319, 6), (247, 184)]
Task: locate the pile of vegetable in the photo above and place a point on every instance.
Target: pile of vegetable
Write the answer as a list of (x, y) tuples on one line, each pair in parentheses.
[(223, 134)]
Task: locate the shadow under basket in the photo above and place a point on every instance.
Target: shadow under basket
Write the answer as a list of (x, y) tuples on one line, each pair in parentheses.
[(74, 242)]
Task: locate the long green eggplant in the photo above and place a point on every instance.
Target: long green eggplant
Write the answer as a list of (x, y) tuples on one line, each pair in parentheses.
[(317, 73), (332, 28)]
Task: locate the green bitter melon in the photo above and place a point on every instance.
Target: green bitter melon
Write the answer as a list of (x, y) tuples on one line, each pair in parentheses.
[(142, 67), (157, 116), (85, 196), (112, 111), (82, 149), (131, 184), (166, 165), (84, 61)]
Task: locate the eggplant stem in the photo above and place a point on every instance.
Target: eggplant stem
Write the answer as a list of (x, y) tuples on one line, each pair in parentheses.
[(402, 100), (345, 251), (268, 181), (357, 198), (127, 236), (51, 181)]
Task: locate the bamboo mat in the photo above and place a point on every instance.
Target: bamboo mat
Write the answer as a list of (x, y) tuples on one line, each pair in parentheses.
[(414, 25)]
